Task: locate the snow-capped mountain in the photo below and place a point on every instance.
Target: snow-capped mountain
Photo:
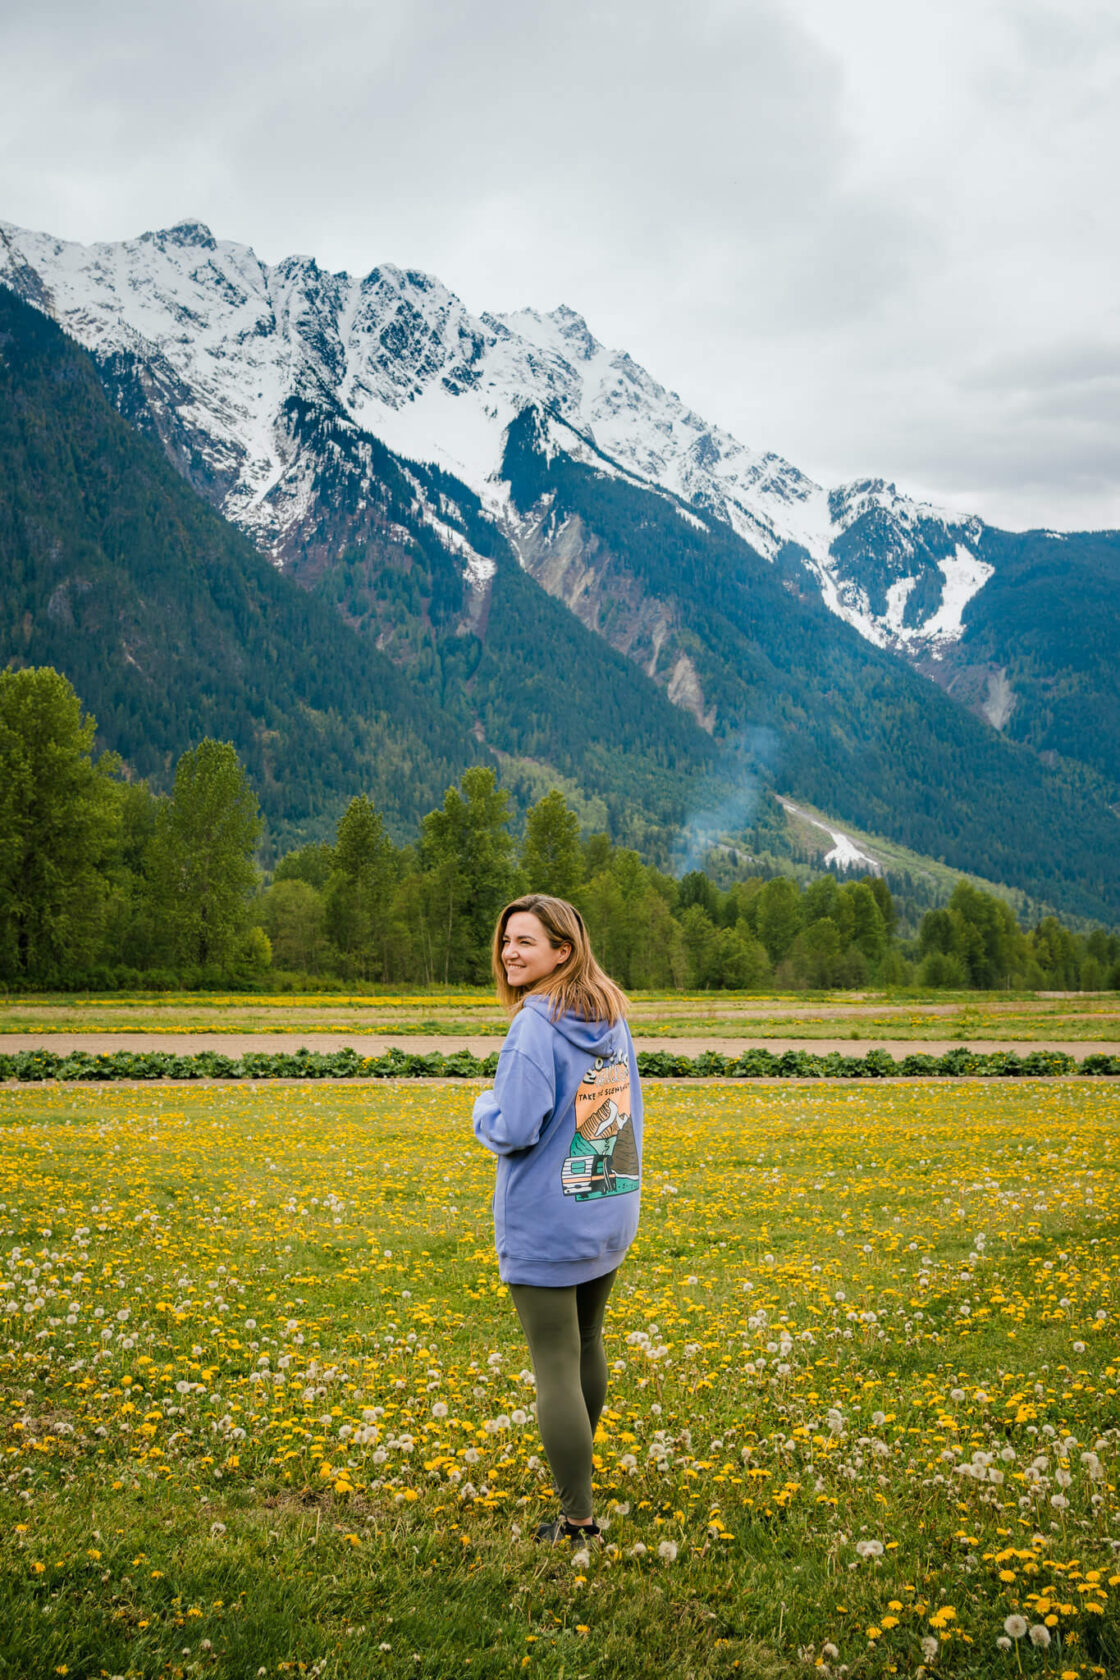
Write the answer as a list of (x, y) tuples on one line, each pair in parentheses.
[(435, 478), (225, 356)]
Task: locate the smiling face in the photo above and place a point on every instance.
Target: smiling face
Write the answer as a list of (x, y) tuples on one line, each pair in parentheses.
[(527, 954)]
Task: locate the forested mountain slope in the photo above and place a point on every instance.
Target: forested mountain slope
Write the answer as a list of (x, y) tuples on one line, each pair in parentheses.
[(172, 626), (1040, 652), (166, 619), (246, 371), (856, 731)]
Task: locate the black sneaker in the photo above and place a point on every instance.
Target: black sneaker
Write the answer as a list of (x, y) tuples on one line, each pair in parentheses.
[(562, 1529)]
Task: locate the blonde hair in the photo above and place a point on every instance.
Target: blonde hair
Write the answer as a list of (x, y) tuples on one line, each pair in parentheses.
[(578, 986)]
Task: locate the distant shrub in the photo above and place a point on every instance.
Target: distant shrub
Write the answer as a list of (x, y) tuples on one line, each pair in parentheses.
[(39, 1065)]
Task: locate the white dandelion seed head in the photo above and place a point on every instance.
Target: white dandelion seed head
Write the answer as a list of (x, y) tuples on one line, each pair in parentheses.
[(668, 1551), (1016, 1626), (1039, 1635)]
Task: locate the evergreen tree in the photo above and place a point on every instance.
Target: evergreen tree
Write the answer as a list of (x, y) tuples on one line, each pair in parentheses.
[(862, 921), (312, 864), (995, 945), (202, 867), (820, 899), (551, 857), (697, 888), (698, 936), (627, 910), (816, 957), (778, 916), (597, 851), (293, 916), (467, 856), (885, 902), (743, 957), (978, 932), (130, 937), (360, 888), (1055, 952), (59, 816)]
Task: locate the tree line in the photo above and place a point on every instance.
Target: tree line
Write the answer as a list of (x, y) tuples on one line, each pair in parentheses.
[(105, 884)]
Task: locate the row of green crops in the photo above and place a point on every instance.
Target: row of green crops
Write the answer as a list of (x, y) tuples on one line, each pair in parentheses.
[(34, 1065)]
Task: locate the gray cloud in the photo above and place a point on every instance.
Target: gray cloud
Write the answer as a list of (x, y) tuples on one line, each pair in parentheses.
[(1074, 363), (879, 239)]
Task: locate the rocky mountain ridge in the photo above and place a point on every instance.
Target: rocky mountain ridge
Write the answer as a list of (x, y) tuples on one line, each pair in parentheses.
[(214, 348)]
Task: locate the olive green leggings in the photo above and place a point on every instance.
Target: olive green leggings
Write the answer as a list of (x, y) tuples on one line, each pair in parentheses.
[(564, 1329)]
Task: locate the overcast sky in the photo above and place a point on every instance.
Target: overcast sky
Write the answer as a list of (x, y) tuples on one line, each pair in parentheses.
[(877, 236)]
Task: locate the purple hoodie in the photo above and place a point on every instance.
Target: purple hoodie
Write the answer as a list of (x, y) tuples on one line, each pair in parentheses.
[(565, 1121)]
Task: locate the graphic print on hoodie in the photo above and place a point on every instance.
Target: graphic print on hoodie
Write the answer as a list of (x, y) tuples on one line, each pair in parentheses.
[(602, 1157)]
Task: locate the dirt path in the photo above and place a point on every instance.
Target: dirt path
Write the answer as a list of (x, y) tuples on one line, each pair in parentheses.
[(236, 1044)]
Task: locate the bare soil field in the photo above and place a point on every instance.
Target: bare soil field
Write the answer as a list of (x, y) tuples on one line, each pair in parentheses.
[(238, 1044)]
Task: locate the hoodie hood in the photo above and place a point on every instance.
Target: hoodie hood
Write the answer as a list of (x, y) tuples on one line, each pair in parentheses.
[(595, 1038)]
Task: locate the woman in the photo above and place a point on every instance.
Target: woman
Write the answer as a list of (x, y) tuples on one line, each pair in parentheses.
[(565, 1121)]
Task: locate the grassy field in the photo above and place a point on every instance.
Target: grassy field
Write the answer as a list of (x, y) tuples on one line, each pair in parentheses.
[(705, 1014), (266, 1409)]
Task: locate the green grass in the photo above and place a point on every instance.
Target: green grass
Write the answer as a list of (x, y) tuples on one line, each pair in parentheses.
[(839, 1293)]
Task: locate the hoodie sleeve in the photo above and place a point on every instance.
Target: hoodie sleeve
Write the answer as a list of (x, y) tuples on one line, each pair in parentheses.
[(512, 1116)]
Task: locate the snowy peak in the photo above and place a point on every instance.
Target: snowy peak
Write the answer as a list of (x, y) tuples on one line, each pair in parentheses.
[(219, 345), (561, 332), (866, 497), (902, 571), (190, 231)]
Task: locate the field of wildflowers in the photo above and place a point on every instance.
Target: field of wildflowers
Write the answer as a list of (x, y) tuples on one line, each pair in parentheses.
[(264, 1407), (907, 1016)]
